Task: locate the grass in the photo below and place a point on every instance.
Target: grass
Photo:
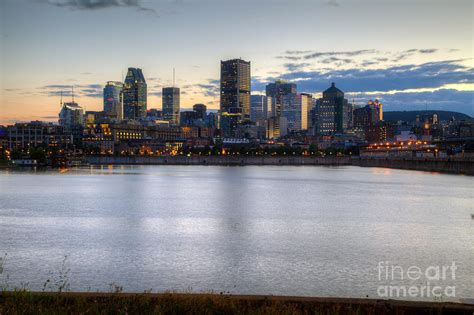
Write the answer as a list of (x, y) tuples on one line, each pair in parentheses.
[(25, 302), (55, 299)]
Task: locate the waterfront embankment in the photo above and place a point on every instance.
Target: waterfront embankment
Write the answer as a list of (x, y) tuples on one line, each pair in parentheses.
[(443, 165), (23, 302), (224, 160)]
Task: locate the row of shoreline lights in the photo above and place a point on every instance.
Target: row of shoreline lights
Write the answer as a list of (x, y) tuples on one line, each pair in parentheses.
[(397, 145)]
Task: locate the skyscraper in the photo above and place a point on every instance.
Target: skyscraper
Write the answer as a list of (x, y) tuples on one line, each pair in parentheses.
[(260, 107), (134, 95), (112, 99), (294, 107), (235, 94), (334, 112), (276, 91), (376, 104), (201, 110), (171, 105), (71, 116), (365, 116)]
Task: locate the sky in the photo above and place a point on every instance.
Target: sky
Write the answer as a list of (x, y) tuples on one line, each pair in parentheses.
[(411, 55)]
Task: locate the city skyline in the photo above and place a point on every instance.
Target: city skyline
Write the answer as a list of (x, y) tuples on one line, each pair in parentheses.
[(411, 66)]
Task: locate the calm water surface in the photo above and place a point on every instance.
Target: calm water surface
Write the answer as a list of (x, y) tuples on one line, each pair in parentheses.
[(312, 231)]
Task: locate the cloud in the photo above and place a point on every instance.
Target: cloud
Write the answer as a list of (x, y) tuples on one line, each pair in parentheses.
[(92, 86), (401, 56), (98, 4), (206, 86), (410, 52), (306, 55), (297, 52), (427, 75), (92, 93), (332, 3), (211, 89), (443, 99), (374, 61), (83, 90), (340, 53), (364, 83), (294, 58), (328, 56), (427, 51), (295, 66), (336, 60), (56, 86)]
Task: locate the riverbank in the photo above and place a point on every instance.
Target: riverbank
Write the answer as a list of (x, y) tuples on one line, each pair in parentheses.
[(442, 165), (173, 303), (229, 160)]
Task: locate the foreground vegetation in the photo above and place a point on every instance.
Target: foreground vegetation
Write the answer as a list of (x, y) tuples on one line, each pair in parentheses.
[(24, 302)]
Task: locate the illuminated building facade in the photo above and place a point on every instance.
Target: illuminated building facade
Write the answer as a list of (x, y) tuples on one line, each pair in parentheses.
[(37, 133), (260, 107), (234, 94), (113, 99), (334, 112), (365, 116), (229, 123), (276, 127), (294, 107), (171, 105), (381, 131), (377, 106), (134, 95)]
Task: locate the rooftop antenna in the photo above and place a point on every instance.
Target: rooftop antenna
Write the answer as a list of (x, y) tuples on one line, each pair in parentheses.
[(61, 99), (174, 77), (72, 93)]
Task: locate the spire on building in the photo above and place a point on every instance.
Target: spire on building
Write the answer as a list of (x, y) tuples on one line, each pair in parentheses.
[(174, 77)]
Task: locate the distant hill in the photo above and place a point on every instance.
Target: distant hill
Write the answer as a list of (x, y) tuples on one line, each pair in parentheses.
[(410, 116)]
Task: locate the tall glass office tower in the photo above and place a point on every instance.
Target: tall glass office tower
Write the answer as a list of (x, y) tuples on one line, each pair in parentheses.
[(235, 94), (171, 105), (112, 99), (277, 90), (334, 112), (134, 95)]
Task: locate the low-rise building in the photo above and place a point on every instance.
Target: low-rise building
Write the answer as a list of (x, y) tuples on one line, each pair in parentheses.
[(37, 133)]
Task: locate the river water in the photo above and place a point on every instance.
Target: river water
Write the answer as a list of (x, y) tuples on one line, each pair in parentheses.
[(284, 230)]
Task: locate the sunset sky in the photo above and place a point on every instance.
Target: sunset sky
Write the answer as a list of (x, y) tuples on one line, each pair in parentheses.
[(410, 54)]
